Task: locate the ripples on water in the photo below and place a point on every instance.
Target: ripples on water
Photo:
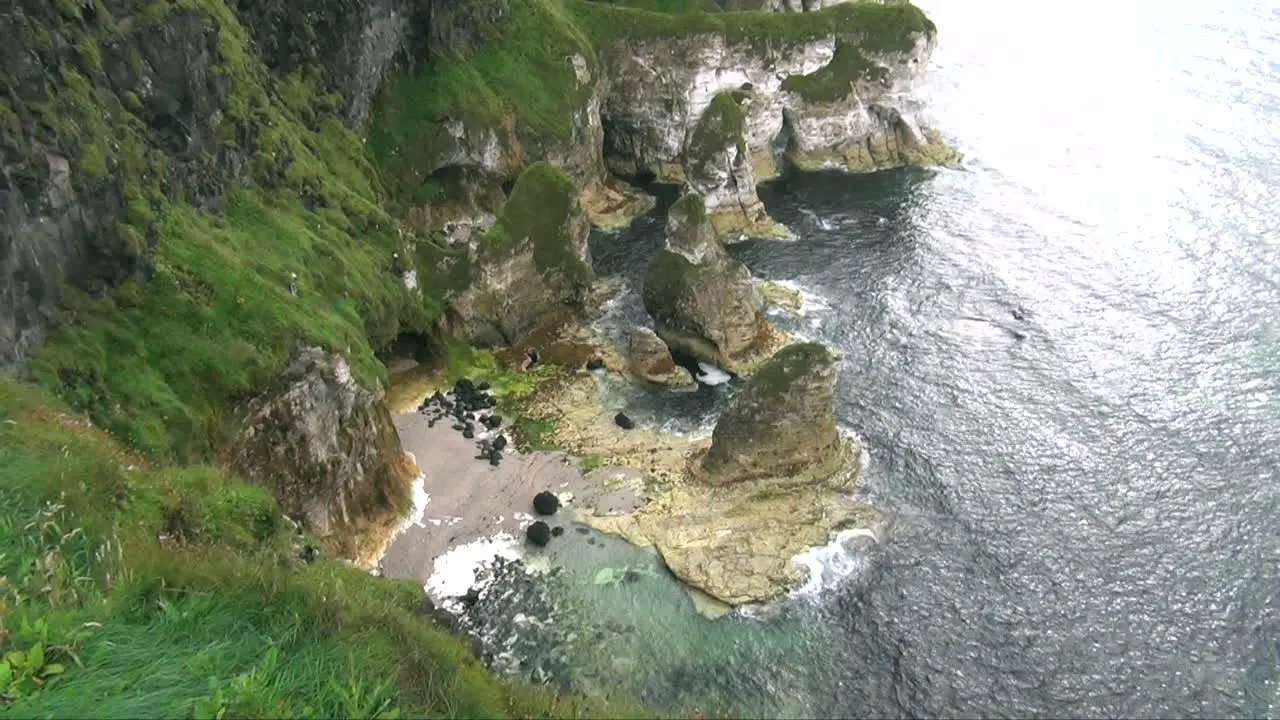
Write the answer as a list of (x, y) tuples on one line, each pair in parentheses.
[(1089, 521)]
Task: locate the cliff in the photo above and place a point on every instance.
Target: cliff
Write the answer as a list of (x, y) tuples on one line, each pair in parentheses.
[(216, 216)]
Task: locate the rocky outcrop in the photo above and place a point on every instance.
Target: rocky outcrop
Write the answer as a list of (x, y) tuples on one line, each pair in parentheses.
[(650, 358), (717, 166), (842, 99), (774, 482), (702, 301), (325, 447), (779, 424), (531, 263)]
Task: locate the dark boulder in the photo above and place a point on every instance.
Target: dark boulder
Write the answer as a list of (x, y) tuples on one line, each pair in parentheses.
[(623, 421), (546, 503), (539, 533)]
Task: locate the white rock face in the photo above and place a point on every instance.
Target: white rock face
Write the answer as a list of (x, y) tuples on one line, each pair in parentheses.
[(661, 87)]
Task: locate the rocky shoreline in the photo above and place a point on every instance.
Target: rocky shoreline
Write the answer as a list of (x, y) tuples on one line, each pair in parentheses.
[(728, 514)]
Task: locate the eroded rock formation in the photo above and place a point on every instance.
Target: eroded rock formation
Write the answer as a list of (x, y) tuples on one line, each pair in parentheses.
[(779, 424), (842, 99), (703, 301), (650, 358), (326, 448), (532, 262), (774, 482)]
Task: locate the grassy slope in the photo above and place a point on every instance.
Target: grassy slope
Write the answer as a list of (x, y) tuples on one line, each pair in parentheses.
[(160, 363), (224, 620)]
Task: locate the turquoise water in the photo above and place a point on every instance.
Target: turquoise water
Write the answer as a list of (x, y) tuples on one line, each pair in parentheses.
[(1088, 518)]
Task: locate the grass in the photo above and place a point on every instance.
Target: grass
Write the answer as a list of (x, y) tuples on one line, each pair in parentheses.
[(206, 315), (835, 80), (521, 86), (218, 620), (877, 27)]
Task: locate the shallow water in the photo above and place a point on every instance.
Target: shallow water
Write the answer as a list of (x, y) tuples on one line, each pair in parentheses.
[(1088, 520)]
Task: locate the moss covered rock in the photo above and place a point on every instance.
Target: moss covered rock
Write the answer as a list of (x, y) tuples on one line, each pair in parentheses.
[(702, 301), (718, 165), (781, 423), (326, 448), (534, 261)]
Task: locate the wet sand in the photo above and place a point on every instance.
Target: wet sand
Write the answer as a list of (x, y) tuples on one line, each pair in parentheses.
[(471, 500)]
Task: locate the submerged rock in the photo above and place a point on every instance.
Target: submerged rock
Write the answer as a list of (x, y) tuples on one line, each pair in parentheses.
[(650, 358), (325, 447), (623, 421), (702, 301)]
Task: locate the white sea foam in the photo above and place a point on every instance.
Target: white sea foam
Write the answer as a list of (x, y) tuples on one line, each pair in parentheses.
[(455, 571), (712, 375), (830, 564), (417, 514)]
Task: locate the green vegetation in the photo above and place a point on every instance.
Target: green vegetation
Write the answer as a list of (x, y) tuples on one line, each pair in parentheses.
[(789, 364), (521, 86), (878, 27), (692, 207), (134, 591), (541, 207), (721, 125), (834, 81), (161, 363), (673, 7)]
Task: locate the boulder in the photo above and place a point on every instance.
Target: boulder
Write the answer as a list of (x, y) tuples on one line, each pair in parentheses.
[(538, 533), (781, 423), (702, 301), (546, 503), (531, 263), (650, 358), (325, 447)]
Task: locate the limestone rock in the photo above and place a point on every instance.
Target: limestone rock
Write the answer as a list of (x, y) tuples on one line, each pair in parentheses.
[(845, 100), (718, 166), (650, 358), (781, 423), (325, 447), (533, 262), (702, 301)]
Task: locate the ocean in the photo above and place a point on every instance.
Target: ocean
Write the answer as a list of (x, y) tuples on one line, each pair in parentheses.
[(1085, 500)]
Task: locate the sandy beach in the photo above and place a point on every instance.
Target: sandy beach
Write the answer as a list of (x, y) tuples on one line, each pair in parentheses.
[(470, 500)]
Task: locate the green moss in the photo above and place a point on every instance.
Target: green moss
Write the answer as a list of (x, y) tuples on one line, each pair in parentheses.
[(789, 364), (668, 278), (691, 207), (673, 7), (835, 80), (216, 320), (878, 27), (539, 211), (721, 125), (520, 85), (176, 592)]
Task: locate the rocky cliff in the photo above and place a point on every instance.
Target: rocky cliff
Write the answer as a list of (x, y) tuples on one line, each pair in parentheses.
[(828, 89), (192, 188)]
